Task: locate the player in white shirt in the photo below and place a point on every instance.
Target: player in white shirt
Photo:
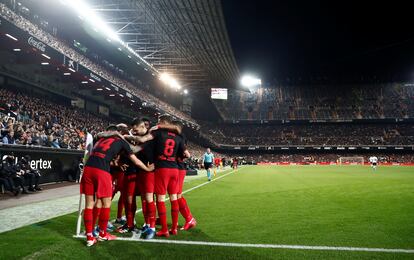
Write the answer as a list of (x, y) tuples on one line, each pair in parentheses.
[(374, 161)]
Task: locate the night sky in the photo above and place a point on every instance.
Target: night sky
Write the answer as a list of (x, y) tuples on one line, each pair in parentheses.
[(278, 39)]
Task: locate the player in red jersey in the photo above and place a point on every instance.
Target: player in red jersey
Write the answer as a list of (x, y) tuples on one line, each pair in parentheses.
[(190, 221), (97, 181), (145, 181), (118, 173), (132, 182), (167, 144)]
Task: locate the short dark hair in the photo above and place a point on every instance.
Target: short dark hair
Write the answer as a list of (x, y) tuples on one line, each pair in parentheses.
[(112, 128), (165, 118), (145, 119), (136, 121), (178, 123), (122, 128)]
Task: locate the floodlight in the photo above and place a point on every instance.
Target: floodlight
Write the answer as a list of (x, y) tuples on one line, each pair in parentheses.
[(250, 81)]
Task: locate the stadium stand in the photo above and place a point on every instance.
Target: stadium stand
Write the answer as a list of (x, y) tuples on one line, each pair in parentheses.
[(99, 69), (320, 158), (311, 134), (34, 121), (320, 102)]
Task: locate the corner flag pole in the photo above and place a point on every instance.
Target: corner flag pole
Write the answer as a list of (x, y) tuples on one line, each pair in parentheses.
[(88, 150)]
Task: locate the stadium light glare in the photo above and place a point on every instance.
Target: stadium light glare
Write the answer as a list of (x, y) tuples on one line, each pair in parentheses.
[(250, 81), (185, 91), (44, 55), (170, 81), (88, 15), (11, 37), (91, 17), (165, 77)]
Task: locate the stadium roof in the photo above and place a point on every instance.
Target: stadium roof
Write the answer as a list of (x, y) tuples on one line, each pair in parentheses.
[(186, 39)]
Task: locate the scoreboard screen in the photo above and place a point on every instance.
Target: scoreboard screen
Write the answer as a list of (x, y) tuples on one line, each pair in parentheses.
[(219, 93)]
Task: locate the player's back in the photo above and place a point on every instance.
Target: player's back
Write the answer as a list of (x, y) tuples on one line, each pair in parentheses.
[(166, 147), (105, 150)]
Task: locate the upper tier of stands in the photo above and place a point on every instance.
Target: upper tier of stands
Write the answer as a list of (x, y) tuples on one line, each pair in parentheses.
[(99, 69), (394, 100), (311, 134)]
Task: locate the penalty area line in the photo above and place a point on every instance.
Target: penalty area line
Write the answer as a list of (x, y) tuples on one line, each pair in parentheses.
[(268, 246)]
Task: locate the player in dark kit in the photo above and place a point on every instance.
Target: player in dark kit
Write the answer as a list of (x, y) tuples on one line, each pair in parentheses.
[(118, 173), (167, 144), (145, 180), (131, 184), (97, 181), (190, 222)]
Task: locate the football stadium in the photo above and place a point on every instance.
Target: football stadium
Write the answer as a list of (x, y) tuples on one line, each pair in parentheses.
[(206, 129)]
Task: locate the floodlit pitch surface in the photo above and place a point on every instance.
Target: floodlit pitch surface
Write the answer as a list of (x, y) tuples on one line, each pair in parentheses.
[(333, 206)]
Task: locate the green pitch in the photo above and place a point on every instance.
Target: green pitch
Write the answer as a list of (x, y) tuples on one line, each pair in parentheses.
[(348, 206)]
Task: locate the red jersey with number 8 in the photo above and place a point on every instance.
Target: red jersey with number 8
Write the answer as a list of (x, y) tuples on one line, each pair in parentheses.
[(167, 145), (105, 150)]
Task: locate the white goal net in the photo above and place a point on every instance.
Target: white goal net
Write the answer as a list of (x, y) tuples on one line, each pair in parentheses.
[(352, 160)]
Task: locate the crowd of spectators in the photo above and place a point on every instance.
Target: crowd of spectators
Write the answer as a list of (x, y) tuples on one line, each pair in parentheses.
[(310, 134), (98, 69), (308, 158), (28, 120), (18, 176), (327, 102)]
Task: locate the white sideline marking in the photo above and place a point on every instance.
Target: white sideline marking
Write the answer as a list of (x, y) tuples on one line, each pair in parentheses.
[(207, 182), (271, 246)]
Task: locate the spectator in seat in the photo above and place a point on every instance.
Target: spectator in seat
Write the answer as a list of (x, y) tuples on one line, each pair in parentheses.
[(7, 173), (9, 138), (29, 173)]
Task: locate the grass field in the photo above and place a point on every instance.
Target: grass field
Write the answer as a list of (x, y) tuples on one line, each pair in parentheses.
[(346, 206)]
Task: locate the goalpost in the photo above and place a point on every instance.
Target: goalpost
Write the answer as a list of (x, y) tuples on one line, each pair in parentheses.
[(351, 160)]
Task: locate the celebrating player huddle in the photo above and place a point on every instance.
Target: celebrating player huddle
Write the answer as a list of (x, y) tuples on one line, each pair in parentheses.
[(142, 161)]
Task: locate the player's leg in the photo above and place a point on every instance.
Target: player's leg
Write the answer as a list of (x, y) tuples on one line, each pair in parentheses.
[(174, 214), (129, 190), (140, 189), (162, 214), (182, 203), (151, 208), (190, 221), (104, 194), (87, 187), (161, 181), (130, 214), (96, 212), (88, 220), (104, 219), (121, 200), (172, 189)]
